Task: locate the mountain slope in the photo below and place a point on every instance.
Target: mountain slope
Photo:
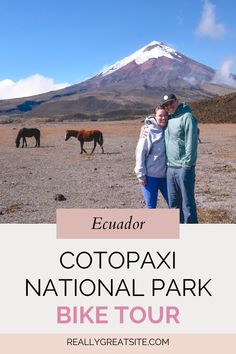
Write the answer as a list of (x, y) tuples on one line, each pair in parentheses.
[(221, 109)]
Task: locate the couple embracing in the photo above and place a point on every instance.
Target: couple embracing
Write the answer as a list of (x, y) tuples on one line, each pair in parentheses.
[(166, 156)]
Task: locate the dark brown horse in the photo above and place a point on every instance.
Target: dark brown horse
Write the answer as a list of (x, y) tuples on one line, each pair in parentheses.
[(86, 135), (27, 133)]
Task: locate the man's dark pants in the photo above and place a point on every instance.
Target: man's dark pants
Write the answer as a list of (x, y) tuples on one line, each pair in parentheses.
[(180, 185)]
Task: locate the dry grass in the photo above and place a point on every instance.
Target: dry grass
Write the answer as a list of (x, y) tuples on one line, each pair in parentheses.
[(225, 168), (13, 208), (215, 216)]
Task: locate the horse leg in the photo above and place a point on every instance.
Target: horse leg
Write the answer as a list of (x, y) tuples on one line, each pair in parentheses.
[(24, 142), (82, 149), (82, 146), (37, 142), (100, 142), (101, 146), (95, 143)]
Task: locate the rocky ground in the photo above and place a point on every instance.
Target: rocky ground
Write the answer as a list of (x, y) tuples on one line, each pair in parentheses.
[(31, 177)]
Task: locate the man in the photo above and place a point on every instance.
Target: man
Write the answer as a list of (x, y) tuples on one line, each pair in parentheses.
[(181, 141)]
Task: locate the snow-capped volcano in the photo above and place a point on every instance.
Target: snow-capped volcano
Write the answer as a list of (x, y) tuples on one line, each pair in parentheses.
[(153, 50), (130, 87)]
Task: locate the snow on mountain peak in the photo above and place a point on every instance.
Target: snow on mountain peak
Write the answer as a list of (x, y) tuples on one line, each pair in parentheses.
[(153, 50)]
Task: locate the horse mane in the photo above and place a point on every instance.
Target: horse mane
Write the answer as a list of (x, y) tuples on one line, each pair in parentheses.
[(72, 131)]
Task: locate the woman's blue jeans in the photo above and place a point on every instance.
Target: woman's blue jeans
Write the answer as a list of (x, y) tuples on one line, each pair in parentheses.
[(150, 191)]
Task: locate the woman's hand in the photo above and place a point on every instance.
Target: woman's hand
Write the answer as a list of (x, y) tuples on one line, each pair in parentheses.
[(144, 131), (142, 181)]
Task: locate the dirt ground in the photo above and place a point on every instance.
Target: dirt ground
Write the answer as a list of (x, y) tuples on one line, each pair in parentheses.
[(30, 177)]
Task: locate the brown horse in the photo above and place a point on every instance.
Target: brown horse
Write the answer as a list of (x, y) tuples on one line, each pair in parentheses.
[(27, 133), (86, 135)]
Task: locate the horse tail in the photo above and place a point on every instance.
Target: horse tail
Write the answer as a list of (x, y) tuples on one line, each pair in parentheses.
[(100, 139), (39, 133)]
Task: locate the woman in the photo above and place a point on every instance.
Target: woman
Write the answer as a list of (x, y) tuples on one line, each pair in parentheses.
[(150, 166)]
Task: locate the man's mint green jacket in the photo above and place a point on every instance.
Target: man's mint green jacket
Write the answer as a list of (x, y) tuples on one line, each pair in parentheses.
[(181, 138)]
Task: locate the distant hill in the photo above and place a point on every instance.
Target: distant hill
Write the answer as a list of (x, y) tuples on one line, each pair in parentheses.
[(216, 110)]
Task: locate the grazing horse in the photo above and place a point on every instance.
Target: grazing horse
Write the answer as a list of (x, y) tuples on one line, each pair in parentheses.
[(86, 135), (27, 133)]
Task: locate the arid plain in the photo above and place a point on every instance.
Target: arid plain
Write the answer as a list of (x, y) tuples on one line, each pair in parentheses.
[(31, 177)]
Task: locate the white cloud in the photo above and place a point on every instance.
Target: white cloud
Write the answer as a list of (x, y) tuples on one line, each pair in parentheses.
[(191, 80), (29, 86), (223, 74), (209, 25)]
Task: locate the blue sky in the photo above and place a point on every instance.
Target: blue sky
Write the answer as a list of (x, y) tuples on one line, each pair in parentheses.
[(65, 42)]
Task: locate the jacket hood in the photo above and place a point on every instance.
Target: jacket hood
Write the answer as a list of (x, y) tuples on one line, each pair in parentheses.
[(182, 109), (151, 121)]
